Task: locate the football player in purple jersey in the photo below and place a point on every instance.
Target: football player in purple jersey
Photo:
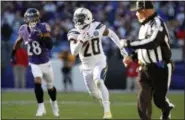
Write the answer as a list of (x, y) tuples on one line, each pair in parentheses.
[(36, 35)]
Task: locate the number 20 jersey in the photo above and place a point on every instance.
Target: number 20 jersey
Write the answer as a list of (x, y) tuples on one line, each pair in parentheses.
[(37, 54), (92, 51)]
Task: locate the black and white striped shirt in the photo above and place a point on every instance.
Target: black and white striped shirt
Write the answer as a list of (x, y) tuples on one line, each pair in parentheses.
[(152, 45)]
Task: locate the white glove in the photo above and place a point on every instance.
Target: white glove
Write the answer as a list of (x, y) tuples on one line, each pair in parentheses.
[(123, 43), (83, 37)]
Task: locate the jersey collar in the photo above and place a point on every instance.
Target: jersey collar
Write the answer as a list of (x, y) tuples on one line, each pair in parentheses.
[(149, 18)]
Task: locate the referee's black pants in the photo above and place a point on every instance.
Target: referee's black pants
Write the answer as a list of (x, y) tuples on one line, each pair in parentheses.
[(154, 82)]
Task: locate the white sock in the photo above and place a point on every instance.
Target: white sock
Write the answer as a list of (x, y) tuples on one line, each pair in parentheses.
[(105, 96), (41, 104), (106, 105), (53, 101)]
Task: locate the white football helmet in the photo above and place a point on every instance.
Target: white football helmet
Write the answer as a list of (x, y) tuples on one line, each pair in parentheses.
[(82, 18)]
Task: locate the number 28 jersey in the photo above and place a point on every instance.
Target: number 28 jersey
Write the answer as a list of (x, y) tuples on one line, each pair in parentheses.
[(91, 51), (37, 54)]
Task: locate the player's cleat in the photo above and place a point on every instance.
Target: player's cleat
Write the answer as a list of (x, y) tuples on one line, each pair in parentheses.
[(41, 110), (166, 115), (54, 107), (107, 115)]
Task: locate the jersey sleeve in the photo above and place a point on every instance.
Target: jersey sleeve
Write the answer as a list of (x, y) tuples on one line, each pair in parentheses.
[(46, 30), (21, 30), (47, 27), (100, 27), (72, 35)]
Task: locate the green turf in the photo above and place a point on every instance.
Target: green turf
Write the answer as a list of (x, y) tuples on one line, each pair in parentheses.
[(81, 106)]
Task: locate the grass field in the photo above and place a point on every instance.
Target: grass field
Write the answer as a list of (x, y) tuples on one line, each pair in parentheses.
[(22, 105)]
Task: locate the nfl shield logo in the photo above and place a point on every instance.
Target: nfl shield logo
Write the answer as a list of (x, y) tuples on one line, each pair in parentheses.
[(96, 33)]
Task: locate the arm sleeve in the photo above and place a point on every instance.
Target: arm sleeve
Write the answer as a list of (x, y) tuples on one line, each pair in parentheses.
[(21, 29), (153, 40), (75, 45), (114, 37)]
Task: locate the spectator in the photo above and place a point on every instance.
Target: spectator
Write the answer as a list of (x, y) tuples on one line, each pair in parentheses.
[(68, 62), (6, 32), (131, 76), (180, 33), (19, 68)]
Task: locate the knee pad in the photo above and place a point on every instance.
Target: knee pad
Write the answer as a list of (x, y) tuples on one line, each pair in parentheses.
[(95, 94), (49, 85), (99, 83)]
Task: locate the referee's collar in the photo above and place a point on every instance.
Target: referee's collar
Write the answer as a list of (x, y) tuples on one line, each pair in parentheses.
[(149, 18)]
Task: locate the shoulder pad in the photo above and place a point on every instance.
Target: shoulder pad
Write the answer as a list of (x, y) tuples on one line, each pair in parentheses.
[(45, 27), (72, 34), (22, 28), (73, 31), (99, 25)]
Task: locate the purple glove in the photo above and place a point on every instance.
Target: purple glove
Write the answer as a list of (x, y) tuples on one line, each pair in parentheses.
[(35, 34)]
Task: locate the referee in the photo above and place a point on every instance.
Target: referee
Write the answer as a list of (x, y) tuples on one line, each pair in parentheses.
[(152, 50)]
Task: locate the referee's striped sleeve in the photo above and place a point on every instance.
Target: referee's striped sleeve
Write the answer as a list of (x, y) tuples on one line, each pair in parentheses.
[(154, 40)]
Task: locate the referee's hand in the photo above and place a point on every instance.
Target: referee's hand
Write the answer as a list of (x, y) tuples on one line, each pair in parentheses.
[(127, 60), (124, 43)]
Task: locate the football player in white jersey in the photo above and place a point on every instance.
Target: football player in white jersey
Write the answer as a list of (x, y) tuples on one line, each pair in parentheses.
[(85, 40)]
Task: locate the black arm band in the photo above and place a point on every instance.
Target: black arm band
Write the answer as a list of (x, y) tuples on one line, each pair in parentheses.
[(47, 42)]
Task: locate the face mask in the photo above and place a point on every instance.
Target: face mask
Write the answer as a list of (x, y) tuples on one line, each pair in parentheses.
[(82, 28), (32, 25)]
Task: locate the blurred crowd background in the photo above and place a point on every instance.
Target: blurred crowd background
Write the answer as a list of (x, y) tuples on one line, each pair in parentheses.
[(115, 15)]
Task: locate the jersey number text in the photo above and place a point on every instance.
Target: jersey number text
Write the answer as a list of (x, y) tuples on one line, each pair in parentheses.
[(34, 48), (95, 48)]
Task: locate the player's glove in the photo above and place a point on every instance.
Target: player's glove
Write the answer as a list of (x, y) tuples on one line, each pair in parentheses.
[(125, 50), (124, 43), (35, 34), (83, 37)]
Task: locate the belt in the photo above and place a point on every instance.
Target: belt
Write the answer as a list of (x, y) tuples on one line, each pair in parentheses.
[(160, 64)]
